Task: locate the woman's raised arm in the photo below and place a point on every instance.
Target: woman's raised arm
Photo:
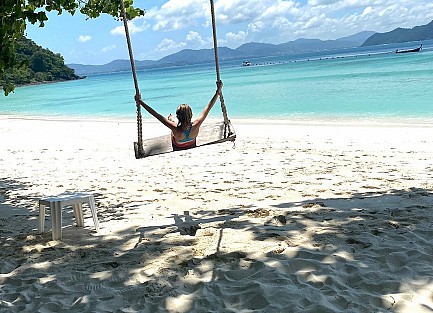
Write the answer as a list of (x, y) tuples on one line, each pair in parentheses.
[(212, 101), (170, 124)]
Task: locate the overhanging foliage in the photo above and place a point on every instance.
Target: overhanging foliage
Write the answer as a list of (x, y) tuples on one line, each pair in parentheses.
[(15, 14)]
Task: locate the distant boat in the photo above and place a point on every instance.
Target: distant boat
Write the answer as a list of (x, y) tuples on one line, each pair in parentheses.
[(246, 63), (409, 50)]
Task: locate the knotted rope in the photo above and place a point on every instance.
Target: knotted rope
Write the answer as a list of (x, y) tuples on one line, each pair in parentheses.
[(217, 67), (134, 75), (139, 148)]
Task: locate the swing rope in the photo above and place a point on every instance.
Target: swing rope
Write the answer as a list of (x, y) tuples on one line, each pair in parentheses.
[(134, 75), (138, 146), (217, 68)]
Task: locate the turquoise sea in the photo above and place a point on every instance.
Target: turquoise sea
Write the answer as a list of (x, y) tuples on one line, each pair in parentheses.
[(366, 83)]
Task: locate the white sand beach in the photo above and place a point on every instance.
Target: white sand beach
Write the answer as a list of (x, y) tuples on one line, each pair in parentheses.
[(297, 217)]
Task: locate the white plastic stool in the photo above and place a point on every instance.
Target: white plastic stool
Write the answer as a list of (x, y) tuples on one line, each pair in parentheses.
[(57, 203)]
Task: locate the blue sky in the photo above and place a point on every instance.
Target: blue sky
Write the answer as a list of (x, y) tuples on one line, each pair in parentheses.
[(170, 26)]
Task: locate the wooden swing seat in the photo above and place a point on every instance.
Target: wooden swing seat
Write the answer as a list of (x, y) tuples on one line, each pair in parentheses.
[(210, 133)]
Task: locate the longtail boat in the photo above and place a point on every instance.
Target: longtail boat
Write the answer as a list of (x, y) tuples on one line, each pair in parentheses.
[(409, 50)]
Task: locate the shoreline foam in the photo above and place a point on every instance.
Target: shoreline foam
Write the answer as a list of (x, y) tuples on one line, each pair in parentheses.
[(367, 121)]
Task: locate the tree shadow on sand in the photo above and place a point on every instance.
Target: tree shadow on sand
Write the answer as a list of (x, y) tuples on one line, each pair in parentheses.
[(370, 252)]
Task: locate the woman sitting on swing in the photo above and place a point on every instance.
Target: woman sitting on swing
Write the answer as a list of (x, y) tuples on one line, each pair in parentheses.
[(183, 132)]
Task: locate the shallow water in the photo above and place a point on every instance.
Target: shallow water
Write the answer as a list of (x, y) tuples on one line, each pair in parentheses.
[(372, 83)]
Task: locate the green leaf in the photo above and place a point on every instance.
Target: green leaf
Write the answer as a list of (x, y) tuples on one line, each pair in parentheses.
[(15, 14)]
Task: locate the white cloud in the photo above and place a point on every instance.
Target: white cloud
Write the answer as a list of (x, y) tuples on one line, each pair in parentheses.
[(367, 11), (281, 23), (133, 28), (84, 38), (239, 21), (234, 40), (195, 40), (279, 20), (108, 48), (314, 3), (179, 14), (169, 46), (119, 30), (256, 27), (239, 11)]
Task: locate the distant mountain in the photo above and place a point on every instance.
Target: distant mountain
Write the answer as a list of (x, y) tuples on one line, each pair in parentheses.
[(255, 50), (313, 45), (358, 38), (113, 66), (189, 56), (246, 51), (398, 35)]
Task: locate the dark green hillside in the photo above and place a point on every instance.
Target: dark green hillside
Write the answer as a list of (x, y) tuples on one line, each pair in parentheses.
[(398, 35), (37, 65)]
